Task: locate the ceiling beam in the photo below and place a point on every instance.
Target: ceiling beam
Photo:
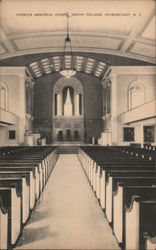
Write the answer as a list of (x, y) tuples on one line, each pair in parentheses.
[(7, 43), (136, 32)]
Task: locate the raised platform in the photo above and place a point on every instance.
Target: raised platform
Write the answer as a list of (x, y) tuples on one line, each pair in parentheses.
[(68, 143), (70, 149)]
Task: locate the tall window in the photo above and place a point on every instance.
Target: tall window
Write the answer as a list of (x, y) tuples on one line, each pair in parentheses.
[(3, 96), (80, 104), (68, 101), (68, 98), (137, 95)]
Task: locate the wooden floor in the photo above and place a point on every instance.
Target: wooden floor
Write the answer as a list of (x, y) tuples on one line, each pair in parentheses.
[(67, 216)]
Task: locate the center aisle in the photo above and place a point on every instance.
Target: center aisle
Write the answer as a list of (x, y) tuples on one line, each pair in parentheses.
[(68, 215)]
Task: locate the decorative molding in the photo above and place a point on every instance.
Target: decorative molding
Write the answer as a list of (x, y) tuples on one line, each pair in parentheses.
[(106, 82), (29, 83), (29, 117)]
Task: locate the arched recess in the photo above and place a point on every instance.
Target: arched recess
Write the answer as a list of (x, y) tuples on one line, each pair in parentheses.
[(136, 94), (68, 110), (76, 97), (4, 95)]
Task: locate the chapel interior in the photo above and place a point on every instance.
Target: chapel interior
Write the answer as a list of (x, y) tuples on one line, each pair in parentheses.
[(77, 90)]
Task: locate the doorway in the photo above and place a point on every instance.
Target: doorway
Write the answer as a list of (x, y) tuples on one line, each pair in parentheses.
[(68, 135), (76, 135), (60, 135)]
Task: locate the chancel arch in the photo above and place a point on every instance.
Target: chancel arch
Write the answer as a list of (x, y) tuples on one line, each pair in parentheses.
[(68, 110)]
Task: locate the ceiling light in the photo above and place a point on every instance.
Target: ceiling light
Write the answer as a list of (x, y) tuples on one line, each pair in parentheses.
[(67, 71), (36, 70), (33, 64), (46, 67), (38, 75), (45, 60), (48, 71)]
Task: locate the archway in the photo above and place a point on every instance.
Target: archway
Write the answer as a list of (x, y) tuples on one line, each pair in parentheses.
[(68, 110)]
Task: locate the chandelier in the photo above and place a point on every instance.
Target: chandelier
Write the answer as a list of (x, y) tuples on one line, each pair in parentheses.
[(67, 69)]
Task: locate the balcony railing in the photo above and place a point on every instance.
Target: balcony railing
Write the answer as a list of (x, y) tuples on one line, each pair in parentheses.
[(148, 110), (6, 117)]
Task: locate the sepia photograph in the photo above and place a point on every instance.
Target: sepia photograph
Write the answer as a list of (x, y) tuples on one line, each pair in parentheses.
[(78, 124)]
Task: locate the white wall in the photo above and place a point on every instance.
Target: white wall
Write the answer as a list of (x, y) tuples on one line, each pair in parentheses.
[(14, 78), (121, 78), (123, 82)]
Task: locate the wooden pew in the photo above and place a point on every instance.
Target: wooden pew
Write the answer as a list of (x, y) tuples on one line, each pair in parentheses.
[(122, 195), (150, 242), (42, 169), (139, 152), (41, 165), (105, 153), (41, 161), (150, 147), (11, 201), (96, 174), (4, 215), (101, 181), (100, 173), (139, 222), (33, 168), (39, 171), (130, 166), (35, 183), (25, 177), (11, 150), (124, 177)]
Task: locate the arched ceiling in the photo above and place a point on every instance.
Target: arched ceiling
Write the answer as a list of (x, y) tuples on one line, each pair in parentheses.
[(79, 63), (125, 29)]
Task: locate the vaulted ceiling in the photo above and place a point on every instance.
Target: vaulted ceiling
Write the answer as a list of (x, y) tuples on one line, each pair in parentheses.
[(122, 29), (79, 63)]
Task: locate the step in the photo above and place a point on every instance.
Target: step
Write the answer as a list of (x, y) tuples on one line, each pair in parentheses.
[(68, 149)]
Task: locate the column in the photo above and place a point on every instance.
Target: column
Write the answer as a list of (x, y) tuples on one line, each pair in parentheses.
[(142, 134), (59, 104), (32, 97), (104, 95), (108, 97), (29, 95), (77, 104), (114, 109)]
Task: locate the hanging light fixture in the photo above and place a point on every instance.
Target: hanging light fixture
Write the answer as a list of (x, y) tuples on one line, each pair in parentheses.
[(68, 67)]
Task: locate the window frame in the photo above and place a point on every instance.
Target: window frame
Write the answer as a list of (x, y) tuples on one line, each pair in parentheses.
[(135, 85), (4, 86)]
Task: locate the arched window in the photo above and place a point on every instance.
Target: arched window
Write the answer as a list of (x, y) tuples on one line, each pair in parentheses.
[(3, 96), (68, 98), (137, 95), (68, 101)]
